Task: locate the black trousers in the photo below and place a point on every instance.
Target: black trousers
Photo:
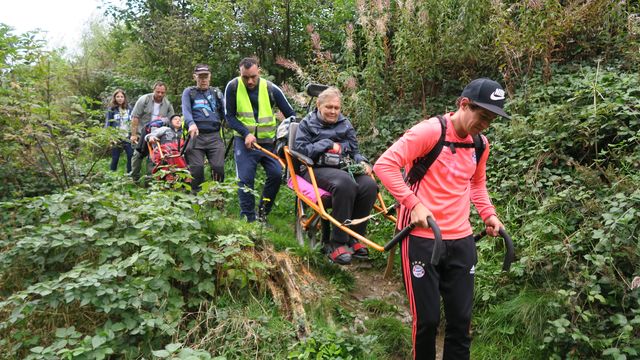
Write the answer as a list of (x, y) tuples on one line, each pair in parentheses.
[(349, 199), (211, 146), (452, 279)]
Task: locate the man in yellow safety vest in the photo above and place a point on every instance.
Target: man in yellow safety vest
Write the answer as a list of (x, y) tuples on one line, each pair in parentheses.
[(249, 103)]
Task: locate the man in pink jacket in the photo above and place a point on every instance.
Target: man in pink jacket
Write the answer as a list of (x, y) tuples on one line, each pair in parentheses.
[(452, 181)]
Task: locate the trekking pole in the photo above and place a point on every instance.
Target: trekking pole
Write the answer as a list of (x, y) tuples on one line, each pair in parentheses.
[(437, 246), (269, 153), (510, 252)]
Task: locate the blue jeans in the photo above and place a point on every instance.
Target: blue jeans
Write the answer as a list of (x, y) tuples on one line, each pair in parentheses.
[(247, 161), (115, 155)]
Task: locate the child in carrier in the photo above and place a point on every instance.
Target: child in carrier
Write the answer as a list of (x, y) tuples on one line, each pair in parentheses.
[(167, 154)]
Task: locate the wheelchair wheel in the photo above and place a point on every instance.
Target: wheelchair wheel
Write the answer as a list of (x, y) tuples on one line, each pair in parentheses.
[(310, 234)]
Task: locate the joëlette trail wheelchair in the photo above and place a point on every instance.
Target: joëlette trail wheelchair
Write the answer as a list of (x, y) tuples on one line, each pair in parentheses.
[(169, 160), (312, 202)]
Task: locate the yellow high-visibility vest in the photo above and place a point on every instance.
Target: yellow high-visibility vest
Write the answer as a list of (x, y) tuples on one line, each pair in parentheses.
[(265, 126)]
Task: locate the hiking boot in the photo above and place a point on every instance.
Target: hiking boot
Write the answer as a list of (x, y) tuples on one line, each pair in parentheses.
[(338, 253), (358, 250)]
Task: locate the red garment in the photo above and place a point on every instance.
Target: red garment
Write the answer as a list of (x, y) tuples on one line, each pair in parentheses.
[(448, 186), (171, 158), (171, 155)]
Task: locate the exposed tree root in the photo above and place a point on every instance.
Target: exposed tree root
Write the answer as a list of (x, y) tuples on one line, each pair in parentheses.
[(283, 285)]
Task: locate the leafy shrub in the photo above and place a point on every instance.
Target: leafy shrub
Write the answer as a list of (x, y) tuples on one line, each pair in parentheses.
[(323, 344), (393, 338), (563, 175), (116, 271)]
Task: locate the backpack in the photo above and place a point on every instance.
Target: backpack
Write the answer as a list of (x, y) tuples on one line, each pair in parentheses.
[(142, 144), (422, 164), (152, 124), (282, 135), (214, 92)]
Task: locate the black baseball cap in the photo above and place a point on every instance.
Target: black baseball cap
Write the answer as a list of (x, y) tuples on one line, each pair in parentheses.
[(202, 69), (487, 94)]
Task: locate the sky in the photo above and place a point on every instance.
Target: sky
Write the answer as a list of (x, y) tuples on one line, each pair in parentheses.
[(63, 20)]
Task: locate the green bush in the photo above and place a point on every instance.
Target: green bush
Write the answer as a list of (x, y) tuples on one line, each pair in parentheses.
[(116, 272), (564, 176), (324, 344)]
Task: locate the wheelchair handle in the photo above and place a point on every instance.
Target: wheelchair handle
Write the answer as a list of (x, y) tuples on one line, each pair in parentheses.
[(184, 146), (437, 246), (314, 90), (510, 252), (268, 153), (399, 236)]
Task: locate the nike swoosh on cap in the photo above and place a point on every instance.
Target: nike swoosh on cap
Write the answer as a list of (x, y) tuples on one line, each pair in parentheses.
[(497, 95)]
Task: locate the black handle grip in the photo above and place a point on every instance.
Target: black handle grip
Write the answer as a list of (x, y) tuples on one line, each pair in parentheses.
[(399, 236), (314, 90), (184, 146), (438, 246), (482, 234), (510, 252)]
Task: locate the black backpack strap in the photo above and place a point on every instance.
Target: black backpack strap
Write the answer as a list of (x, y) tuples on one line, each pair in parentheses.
[(478, 143), (192, 94), (422, 164), (215, 92), (453, 145)]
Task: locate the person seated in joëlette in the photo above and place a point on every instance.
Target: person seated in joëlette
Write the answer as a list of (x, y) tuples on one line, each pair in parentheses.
[(170, 138), (328, 138)]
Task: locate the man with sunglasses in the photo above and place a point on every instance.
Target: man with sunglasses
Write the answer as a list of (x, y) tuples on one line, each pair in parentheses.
[(454, 177)]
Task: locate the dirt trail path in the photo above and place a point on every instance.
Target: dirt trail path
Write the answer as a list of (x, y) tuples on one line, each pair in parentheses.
[(293, 285), (370, 284)]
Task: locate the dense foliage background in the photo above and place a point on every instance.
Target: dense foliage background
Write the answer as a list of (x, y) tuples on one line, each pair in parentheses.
[(92, 266)]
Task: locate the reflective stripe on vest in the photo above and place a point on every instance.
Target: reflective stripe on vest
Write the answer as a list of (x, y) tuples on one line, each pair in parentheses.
[(266, 124)]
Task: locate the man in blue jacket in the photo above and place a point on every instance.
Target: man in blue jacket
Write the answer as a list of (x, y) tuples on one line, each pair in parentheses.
[(202, 109), (249, 102)]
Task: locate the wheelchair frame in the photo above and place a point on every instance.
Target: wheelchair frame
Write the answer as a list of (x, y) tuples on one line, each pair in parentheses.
[(309, 224), (304, 223)]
